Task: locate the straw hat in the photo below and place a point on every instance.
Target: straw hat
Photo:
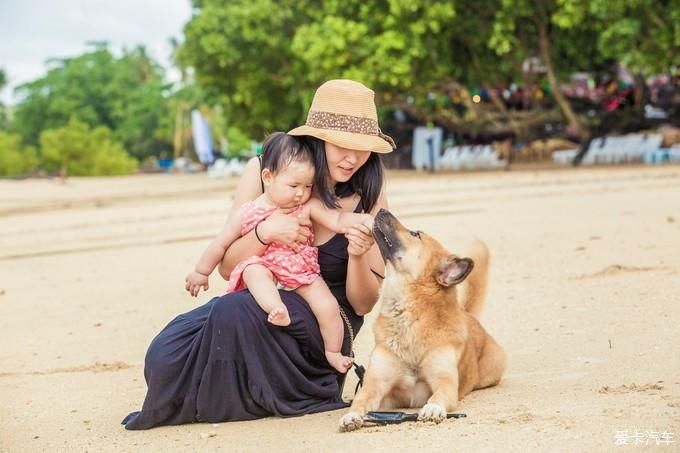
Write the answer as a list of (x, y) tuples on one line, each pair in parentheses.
[(343, 113)]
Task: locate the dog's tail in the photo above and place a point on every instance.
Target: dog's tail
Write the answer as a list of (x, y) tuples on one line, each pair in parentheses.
[(473, 289)]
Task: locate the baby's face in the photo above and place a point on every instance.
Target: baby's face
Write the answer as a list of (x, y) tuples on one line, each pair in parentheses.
[(292, 186)]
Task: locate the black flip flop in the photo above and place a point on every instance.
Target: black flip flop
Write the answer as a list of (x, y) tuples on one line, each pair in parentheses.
[(392, 418)]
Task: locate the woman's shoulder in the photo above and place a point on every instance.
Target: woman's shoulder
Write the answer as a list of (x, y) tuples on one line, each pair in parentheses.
[(250, 184), (252, 170)]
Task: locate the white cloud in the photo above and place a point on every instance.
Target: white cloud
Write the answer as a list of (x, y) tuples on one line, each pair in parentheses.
[(33, 31)]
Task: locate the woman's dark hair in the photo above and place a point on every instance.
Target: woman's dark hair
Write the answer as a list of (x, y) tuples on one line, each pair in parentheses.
[(280, 150), (367, 182)]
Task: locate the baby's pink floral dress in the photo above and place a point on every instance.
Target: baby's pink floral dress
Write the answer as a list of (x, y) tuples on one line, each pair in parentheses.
[(291, 269)]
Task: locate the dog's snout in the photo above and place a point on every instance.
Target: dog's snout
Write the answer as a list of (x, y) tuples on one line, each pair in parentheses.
[(384, 217), (384, 233)]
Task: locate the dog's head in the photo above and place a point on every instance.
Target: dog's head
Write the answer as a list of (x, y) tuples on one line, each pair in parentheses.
[(416, 255)]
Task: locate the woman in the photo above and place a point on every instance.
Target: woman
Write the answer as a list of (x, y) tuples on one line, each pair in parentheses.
[(223, 361)]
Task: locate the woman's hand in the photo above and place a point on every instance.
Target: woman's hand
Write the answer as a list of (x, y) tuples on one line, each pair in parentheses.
[(285, 229), (360, 238)]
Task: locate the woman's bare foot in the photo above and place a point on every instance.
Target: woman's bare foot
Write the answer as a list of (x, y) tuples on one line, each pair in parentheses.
[(339, 361), (279, 316)]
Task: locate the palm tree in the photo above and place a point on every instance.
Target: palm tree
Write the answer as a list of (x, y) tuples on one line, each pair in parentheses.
[(180, 107)]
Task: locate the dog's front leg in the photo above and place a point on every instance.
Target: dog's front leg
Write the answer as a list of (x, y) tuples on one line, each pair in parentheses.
[(383, 371), (440, 370)]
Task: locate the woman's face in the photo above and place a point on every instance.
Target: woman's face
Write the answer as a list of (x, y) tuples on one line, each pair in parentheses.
[(343, 162)]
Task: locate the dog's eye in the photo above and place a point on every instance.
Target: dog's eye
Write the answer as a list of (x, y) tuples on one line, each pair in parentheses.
[(415, 234)]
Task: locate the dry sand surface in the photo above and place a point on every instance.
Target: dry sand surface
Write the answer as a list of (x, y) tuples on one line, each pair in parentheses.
[(584, 296)]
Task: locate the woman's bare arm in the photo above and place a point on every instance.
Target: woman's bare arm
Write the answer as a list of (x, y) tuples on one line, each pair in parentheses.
[(365, 261), (249, 188)]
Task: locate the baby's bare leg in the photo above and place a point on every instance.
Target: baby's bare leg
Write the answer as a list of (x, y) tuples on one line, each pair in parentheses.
[(260, 282), (325, 308)]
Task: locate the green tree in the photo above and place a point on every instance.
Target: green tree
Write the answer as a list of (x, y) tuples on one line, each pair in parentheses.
[(241, 50), (15, 159), (78, 150), (644, 35), (396, 47), (528, 28), (419, 55), (239, 143), (3, 110), (141, 115), (124, 94), (266, 58)]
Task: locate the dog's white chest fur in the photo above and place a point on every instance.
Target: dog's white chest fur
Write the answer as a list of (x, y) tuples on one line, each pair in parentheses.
[(400, 327)]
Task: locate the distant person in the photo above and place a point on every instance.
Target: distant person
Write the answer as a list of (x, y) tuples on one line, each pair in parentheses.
[(223, 360), (287, 175)]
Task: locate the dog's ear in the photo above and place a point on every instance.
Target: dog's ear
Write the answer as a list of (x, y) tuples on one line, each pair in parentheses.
[(454, 270)]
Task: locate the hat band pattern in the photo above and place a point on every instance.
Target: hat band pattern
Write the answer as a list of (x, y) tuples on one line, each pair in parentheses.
[(346, 123)]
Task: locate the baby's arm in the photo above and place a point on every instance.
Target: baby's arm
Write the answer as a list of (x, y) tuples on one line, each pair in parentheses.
[(213, 255), (334, 219)]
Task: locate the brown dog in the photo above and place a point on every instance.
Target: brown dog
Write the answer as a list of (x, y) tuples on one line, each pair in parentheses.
[(430, 350)]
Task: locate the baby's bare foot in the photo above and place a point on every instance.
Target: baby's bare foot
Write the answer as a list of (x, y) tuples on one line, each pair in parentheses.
[(339, 361), (279, 316)]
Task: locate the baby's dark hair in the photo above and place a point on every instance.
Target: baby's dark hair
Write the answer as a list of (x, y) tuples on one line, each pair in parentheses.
[(280, 150)]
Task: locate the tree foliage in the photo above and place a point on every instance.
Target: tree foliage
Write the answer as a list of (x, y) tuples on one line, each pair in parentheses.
[(3, 110), (644, 35), (78, 150), (241, 49), (15, 159), (264, 59), (251, 67), (124, 94)]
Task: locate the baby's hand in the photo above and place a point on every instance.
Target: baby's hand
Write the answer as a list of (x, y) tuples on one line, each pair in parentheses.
[(360, 237), (194, 282)]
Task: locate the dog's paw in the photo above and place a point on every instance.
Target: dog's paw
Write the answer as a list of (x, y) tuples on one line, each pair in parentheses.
[(351, 421), (432, 412)]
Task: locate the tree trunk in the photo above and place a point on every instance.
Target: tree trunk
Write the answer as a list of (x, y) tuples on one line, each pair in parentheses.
[(178, 140), (565, 107), (495, 100), (640, 91)]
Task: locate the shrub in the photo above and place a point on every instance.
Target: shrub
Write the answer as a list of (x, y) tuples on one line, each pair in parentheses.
[(15, 159), (77, 150)]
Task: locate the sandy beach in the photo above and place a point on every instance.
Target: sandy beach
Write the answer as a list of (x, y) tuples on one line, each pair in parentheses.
[(584, 296)]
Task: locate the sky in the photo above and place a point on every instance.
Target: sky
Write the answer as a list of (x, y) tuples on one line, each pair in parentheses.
[(33, 31)]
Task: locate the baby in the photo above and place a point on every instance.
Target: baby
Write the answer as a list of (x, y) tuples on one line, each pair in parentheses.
[(287, 176)]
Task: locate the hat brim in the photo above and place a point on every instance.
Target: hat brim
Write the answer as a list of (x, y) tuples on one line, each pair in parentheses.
[(349, 140)]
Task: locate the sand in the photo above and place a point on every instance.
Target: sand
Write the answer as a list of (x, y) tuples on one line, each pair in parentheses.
[(584, 296)]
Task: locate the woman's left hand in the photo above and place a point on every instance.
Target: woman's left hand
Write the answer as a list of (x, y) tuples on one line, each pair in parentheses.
[(360, 239)]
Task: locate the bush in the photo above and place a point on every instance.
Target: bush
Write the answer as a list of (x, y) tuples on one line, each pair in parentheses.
[(239, 142), (15, 160), (77, 150)]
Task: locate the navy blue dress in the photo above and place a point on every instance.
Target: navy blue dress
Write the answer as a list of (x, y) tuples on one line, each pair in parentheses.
[(223, 361)]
